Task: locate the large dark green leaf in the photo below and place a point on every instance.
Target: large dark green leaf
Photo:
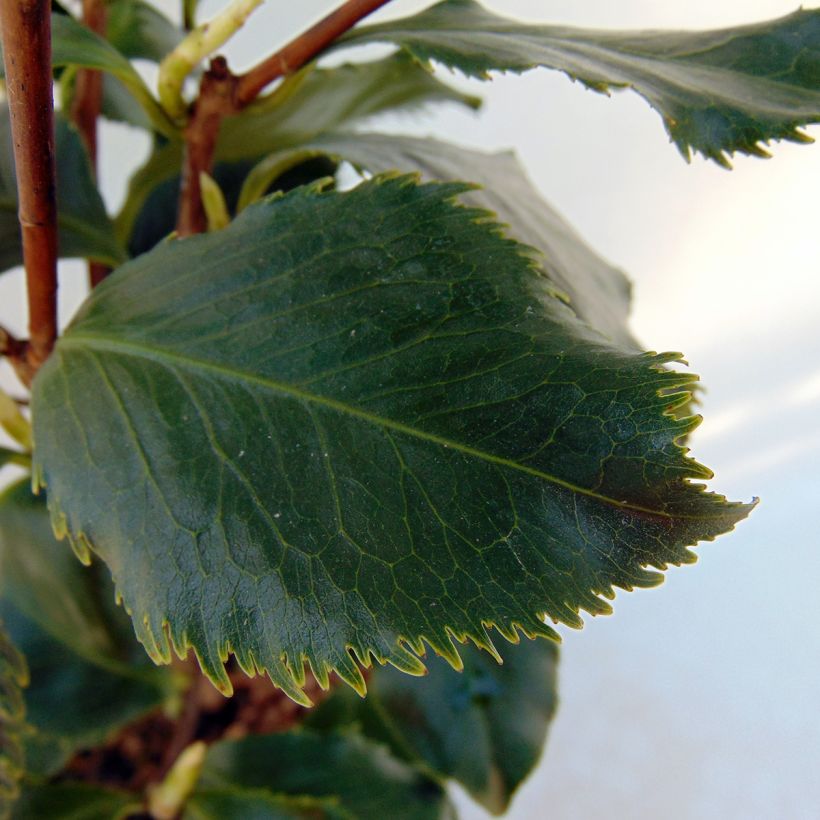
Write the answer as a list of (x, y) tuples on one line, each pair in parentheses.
[(485, 726), (599, 293), (75, 45), (13, 677), (717, 91), (84, 227), (351, 424), (314, 102), (80, 646), (259, 804), (74, 801), (358, 776)]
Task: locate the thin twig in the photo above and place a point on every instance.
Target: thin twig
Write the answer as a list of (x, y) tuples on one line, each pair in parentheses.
[(85, 110), (26, 35), (304, 48)]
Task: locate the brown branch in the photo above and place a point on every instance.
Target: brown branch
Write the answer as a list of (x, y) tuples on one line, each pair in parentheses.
[(85, 110), (304, 48), (26, 34), (222, 94)]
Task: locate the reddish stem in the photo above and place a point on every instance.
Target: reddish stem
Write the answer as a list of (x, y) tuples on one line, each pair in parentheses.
[(304, 48), (85, 110), (26, 35)]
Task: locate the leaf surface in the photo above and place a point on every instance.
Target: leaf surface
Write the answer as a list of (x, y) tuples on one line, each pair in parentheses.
[(718, 92), (349, 424), (139, 31), (484, 727), (598, 292), (74, 801), (361, 778), (259, 804), (309, 104), (85, 230)]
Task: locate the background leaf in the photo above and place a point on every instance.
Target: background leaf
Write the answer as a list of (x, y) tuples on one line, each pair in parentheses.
[(84, 227), (484, 727), (717, 91), (73, 801), (361, 778), (366, 426), (80, 646), (309, 104), (13, 677)]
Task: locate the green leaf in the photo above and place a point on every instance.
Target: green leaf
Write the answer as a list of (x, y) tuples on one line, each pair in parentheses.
[(598, 292), (13, 677), (718, 91), (309, 104), (359, 777), (138, 31), (485, 727), (259, 804), (74, 801), (80, 646), (366, 426), (85, 230), (75, 45)]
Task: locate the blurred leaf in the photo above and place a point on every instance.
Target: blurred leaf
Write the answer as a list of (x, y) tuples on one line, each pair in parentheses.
[(85, 230), (13, 677), (484, 727), (260, 804), (717, 91), (310, 103), (359, 777), (139, 31), (73, 801)]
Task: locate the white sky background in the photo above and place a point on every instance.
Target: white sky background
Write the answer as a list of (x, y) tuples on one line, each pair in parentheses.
[(697, 700)]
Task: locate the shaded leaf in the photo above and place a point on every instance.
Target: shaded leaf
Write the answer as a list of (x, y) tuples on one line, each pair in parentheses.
[(84, 227), (73, 801), (13, 677), (359, 777), (80, 646), (718, 91), (259, 804), (309, 104), (367, 424), (138, 31), (485, 727), (598, 292), (75, 45)]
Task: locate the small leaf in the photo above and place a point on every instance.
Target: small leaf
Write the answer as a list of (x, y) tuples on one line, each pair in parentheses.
[(75, 45), (359, 777), (85, 230), (309, 104), (367, 427), (718, 91), (598, 292), (484, 727), (138, 31), (13, 677)]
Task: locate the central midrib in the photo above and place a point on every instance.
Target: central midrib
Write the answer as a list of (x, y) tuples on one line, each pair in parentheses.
[(168, 357)]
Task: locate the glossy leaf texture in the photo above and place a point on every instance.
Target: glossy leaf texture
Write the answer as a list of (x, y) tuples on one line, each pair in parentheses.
[(74, 45), (718, 92), (79, 645), (352, 424), (85, 230), (13, 678), (598, 292), (357, 777), (484, 727), (307, 105)]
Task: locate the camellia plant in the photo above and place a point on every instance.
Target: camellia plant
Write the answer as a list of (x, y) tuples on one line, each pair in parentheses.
[(304, 432)]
